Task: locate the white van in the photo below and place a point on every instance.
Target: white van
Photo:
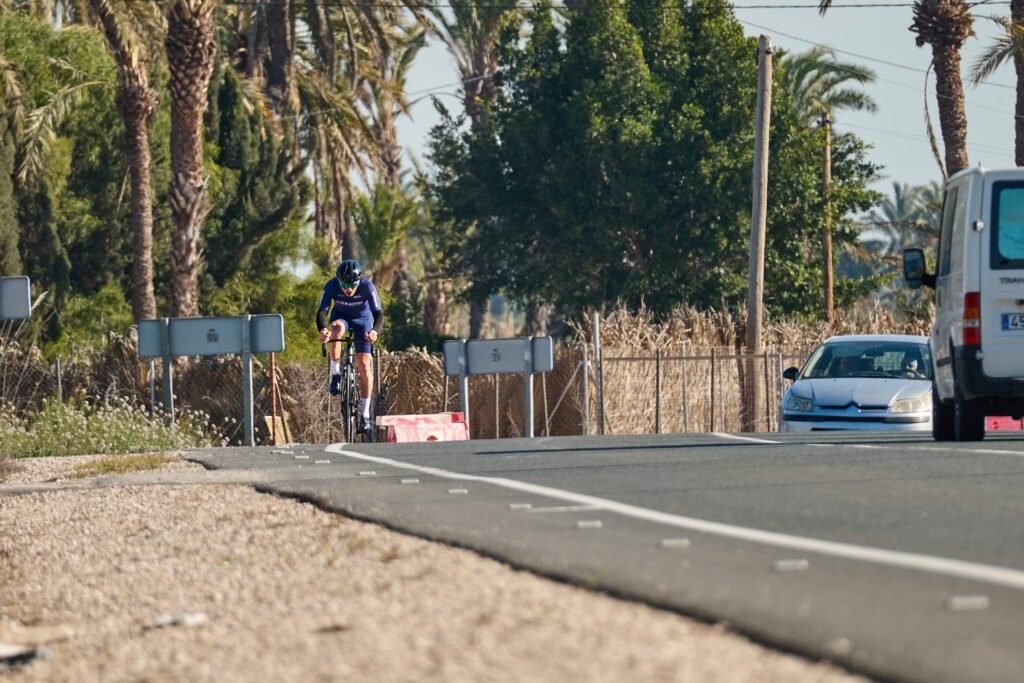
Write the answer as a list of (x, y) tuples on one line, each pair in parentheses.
[(977, 340)]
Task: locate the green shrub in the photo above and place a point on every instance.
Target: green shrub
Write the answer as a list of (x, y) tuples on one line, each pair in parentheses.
[(113, 427)]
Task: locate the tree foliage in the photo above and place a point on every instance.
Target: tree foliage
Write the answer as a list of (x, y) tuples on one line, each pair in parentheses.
[(618, 167)]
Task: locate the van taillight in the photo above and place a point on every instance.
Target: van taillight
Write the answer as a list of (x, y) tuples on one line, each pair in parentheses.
[(972, 319)]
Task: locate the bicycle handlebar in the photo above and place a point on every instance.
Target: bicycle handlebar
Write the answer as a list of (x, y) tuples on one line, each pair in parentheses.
[(348, 338)]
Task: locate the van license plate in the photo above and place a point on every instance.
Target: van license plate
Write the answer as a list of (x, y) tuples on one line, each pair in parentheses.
[(1013, 321)]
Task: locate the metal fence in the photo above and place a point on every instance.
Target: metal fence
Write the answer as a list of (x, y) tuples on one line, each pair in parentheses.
[(682, 389), (692, 390)]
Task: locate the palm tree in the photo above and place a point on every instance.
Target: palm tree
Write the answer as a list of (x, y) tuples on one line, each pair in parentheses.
[(817, 84), (471, 32), (384, 95), (944, 25), (124, 23), (190, 53), (1008, 45), (904, 219), (12, 124), (384, 220), (384, 99), (339, 139)]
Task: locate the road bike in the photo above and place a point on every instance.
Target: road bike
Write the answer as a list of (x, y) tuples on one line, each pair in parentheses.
[(350, 392)]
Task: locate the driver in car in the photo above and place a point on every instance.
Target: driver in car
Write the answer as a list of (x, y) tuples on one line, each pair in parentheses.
[(910, 369)]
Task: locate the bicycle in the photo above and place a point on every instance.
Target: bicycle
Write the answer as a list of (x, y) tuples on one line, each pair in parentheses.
[(350, 391)]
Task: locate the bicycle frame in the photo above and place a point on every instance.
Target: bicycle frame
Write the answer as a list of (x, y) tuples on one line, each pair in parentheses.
[(349, 388)]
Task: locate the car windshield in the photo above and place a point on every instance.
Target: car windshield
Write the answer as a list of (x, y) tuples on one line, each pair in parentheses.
[(905, 360)]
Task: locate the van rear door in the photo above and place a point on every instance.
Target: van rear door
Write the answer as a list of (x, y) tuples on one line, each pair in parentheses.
[(1002, 274)]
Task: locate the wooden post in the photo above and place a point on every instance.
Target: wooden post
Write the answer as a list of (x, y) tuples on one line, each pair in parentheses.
[(657, 391), (712, 391), (760, 202), (686, 397), (586, 391), (826, 237), (759, 211)]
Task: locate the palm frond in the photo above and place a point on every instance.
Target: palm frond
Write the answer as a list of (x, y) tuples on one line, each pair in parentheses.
[(1004, 46), (42, 125)]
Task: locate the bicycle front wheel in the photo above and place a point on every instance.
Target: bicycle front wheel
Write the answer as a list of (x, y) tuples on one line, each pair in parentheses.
[(350, 405)]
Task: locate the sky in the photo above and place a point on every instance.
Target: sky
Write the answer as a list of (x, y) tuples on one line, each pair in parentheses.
[(875, 37)]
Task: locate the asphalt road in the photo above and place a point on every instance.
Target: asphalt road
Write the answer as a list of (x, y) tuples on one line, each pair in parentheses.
[(894, 556)]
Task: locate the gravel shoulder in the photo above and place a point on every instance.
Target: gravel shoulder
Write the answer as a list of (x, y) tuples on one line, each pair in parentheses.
[(205, 582)]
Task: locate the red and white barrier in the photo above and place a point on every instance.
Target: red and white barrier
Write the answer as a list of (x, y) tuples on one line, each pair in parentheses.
[(435, 427), (1002, 424)]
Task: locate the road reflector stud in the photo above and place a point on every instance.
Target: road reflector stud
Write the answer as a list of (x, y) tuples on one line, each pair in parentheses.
[(410, 481), (302, 457), (368, 473), (675, 543), (840, 646), (323, 462), (967, 603), (455, 492), (588, 524), (791, 565)]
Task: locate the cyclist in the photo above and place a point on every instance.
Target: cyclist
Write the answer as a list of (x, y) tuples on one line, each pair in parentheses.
[(353, 304)]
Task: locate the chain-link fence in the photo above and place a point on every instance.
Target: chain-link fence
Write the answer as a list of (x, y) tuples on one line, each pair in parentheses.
[(692, 390), (688, 390)]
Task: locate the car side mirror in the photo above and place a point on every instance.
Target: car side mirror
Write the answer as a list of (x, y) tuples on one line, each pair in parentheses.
[(914, 269), (791, 373)]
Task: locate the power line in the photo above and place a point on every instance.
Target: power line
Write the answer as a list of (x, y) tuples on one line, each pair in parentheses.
[(895, 65), (920, 138)]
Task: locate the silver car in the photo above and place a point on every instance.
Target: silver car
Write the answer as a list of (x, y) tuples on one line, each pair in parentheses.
[(866, 382)]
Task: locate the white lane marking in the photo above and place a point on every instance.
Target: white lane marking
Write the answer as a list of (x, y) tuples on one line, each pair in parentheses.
[(1003, 576), (565, 508), (723, 435), (936, 449), (992, 451), (940, 449), (799, 565), (967, 603)]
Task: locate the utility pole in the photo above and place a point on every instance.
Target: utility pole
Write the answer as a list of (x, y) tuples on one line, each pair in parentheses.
[(826, 237), (755, 292)]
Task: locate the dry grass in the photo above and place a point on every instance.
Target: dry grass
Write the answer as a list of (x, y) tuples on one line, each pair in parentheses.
[(7, 467), (697, 393), (120, 464), (693, 397)]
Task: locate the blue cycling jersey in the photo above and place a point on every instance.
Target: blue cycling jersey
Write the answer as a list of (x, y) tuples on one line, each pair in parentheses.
[(363, 303)]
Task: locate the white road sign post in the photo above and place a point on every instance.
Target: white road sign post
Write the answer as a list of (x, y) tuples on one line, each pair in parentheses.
[(15, 298), (241, 335), (527, 355)]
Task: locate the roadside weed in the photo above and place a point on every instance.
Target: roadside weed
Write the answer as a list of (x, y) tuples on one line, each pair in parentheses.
[(120, 464)]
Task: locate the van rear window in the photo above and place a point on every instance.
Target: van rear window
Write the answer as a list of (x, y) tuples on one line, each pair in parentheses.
[(1008, 225)]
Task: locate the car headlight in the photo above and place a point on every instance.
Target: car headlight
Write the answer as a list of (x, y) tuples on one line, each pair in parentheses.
[(798, 403), (913, 405)]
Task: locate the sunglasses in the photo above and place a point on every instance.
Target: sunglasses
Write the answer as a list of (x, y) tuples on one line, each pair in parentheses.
[(349, 285)]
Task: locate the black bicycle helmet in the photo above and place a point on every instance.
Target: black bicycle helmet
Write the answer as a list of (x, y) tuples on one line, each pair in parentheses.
[(348, 271)]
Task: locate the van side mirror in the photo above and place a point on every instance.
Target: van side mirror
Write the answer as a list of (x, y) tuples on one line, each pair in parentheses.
[(914, 270), (791, 373)]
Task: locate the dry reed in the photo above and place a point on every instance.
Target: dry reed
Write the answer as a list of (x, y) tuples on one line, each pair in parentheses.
[(685, 391)]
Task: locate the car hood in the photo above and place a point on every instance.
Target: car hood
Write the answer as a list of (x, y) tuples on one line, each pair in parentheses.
[(863, 391)]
